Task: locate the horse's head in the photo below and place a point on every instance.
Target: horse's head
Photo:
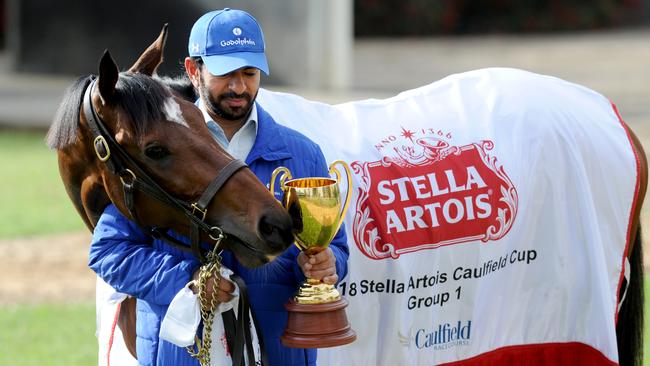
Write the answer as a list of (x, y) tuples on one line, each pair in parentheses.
[(166, 136)]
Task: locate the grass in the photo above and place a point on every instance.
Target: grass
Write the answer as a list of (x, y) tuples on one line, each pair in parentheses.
[(33, 199), (49, 334)]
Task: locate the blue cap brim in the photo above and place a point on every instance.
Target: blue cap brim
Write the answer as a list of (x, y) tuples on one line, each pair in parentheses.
[(223, 64)]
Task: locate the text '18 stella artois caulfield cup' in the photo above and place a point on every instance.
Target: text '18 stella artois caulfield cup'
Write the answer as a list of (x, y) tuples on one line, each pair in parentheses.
[(317, 313)]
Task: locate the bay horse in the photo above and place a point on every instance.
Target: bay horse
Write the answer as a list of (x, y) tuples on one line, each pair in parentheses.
[(129, 139)]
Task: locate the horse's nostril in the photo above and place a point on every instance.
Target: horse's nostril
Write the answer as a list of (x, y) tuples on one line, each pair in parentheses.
[(275, 233), (266, 229)]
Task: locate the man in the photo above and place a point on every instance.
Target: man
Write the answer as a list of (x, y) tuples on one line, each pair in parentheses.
[(226, 58)]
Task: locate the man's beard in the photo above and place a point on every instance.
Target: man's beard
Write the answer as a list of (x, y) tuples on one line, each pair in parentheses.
[(232, 113)]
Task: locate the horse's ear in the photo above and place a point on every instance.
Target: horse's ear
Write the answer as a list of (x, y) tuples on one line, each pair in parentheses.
[(152, 57), (108, 74)]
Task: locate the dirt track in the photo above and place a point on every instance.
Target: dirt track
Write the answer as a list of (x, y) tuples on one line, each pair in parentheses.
[(46, 269)]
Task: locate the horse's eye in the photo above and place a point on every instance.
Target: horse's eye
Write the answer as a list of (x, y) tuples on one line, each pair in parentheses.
[(156, 152)]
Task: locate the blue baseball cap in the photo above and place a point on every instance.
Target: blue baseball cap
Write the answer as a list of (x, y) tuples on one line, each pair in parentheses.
[(227, 40)]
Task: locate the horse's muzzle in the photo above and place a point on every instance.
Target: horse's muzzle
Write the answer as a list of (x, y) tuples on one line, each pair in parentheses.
[(276, 232)]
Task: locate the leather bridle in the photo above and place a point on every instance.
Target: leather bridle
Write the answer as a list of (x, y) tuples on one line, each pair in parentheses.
[(133, 178)]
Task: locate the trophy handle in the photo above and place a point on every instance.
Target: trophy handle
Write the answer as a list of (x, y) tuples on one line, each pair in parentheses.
[(348, 194), (286, 174)]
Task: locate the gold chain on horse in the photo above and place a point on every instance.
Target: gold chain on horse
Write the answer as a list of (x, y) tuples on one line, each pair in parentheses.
[(211, 268)]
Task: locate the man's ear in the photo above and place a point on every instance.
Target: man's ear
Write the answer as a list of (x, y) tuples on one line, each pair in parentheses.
[(193, 71)]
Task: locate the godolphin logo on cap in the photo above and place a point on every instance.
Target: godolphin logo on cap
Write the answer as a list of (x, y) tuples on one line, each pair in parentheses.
[(228, 40)]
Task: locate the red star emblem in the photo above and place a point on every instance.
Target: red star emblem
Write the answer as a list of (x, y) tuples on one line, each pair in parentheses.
[(407, 134)]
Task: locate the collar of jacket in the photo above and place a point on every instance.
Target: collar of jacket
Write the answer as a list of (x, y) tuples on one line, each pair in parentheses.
[(269, 144)]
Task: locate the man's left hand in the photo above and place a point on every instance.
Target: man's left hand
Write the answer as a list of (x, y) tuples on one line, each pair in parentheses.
[(319, 266)]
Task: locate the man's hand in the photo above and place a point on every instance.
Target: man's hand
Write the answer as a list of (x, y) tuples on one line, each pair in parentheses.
[(319, 266), (224, 291)]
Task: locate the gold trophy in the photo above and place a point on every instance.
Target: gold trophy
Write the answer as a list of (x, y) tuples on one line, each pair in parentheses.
[(317, 313)]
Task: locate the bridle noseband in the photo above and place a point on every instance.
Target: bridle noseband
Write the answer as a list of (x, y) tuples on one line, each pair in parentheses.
[(133, 177)]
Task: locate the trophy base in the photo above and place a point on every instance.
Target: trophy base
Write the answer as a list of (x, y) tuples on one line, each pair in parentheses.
[(317, 325)]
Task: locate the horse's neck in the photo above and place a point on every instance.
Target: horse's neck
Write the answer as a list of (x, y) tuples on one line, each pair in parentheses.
[(84, 184)]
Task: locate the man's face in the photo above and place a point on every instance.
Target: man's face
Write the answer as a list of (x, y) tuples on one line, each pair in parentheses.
[(229, 96)]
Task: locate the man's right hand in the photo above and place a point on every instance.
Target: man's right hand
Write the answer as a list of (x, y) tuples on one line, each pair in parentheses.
[(224, 291)]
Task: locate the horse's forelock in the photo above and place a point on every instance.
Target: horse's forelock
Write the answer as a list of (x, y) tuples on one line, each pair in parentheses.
[(143, 99)]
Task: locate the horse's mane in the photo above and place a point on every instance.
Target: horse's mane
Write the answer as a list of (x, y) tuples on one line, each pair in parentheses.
[(63, 130), (180, 84), (140, 96)]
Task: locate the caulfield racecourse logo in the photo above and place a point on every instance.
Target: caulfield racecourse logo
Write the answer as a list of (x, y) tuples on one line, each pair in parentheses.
[(426, 193), (441, 337)]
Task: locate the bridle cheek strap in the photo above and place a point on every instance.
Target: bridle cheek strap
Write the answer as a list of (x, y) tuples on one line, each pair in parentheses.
[(202, 205)]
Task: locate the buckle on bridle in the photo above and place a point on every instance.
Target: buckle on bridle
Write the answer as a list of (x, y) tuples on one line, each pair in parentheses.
[(101, 141), (195, 208)]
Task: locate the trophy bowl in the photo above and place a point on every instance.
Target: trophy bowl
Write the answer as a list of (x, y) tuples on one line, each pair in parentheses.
[(317, 313)]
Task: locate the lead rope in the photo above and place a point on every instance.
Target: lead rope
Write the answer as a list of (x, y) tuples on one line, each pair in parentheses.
[(211, 267)]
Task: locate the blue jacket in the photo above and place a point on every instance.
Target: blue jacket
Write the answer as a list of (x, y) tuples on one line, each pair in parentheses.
[(134, 263)]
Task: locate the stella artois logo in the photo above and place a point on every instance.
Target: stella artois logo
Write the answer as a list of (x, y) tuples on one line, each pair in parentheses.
[(426, 193)]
